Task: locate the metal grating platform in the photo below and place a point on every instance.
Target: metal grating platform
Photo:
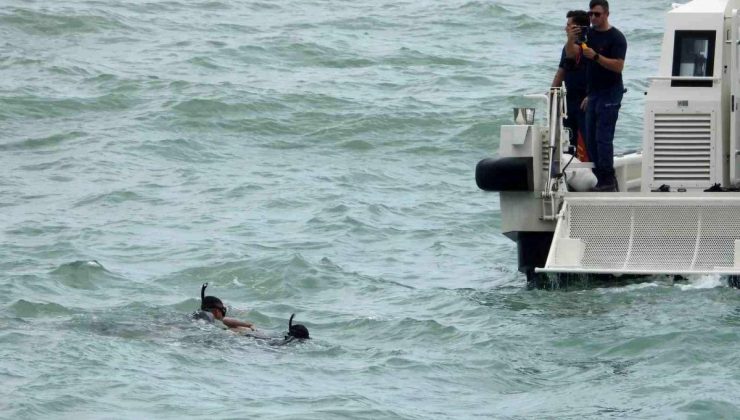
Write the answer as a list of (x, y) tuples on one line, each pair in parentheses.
[(648, 234)]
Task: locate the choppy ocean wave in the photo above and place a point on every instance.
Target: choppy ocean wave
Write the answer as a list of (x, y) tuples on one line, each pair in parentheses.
[(314, 158), (60, 22)]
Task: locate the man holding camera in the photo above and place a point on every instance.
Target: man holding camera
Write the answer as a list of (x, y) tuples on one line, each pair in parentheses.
[(604, 51), (572, 71)]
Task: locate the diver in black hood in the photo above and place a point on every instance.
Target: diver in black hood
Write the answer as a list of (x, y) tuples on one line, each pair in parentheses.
[(212, 309)]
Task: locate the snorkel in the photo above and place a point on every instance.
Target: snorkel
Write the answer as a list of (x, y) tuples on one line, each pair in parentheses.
[(296, 331), (209, 303)]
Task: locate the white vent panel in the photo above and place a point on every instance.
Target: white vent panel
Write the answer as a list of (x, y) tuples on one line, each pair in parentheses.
[(682, 148)]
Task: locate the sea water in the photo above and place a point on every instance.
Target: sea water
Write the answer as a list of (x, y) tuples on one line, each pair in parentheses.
[(317, 158)]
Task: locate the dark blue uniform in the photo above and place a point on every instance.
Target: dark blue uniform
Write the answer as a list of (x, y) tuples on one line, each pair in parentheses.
[(575, 85), (605, 90)]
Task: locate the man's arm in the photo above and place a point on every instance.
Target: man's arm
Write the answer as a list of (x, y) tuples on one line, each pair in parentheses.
[(235, 323), (557, 81), (614, 64), (571, 48), (618, 51)]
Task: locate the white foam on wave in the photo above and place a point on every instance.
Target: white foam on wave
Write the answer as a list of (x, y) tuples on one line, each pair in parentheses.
[(629, 287), (696, 282), (705, 281)]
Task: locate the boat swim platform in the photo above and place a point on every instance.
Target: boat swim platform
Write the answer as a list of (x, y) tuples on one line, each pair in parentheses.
[(647, 234)]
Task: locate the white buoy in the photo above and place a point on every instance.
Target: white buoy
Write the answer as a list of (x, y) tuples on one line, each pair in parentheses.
[(579, 179)]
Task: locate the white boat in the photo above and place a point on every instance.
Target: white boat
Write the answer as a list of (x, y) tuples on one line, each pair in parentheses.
[(678, 208)]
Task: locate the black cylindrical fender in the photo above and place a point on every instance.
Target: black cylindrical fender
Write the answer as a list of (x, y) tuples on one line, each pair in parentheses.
[(505, 174)]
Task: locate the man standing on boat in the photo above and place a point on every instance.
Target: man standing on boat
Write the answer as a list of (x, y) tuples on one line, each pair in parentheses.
[(572, 71), (605, 53)]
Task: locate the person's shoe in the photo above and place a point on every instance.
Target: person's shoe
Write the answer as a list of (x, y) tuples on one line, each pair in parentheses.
[(605, 188), (608, 186)]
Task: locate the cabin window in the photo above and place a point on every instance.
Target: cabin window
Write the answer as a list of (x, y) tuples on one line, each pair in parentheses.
[(693, 56)]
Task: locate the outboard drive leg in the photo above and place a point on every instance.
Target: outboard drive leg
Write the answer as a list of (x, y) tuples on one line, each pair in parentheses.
[(532, 250)]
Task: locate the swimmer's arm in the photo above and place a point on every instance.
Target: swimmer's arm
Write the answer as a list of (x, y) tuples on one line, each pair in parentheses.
[(235, 323)]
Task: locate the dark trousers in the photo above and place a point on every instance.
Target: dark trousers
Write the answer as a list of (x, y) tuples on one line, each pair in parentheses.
[(601, 119)]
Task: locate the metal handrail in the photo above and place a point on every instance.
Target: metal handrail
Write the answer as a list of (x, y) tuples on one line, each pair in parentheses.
[(686, 78)]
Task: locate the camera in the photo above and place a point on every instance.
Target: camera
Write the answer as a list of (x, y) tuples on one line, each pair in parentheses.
[(583, 36)]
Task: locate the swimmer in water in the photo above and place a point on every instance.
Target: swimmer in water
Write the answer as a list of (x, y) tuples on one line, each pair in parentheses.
[(212, 309), (297, 331)]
